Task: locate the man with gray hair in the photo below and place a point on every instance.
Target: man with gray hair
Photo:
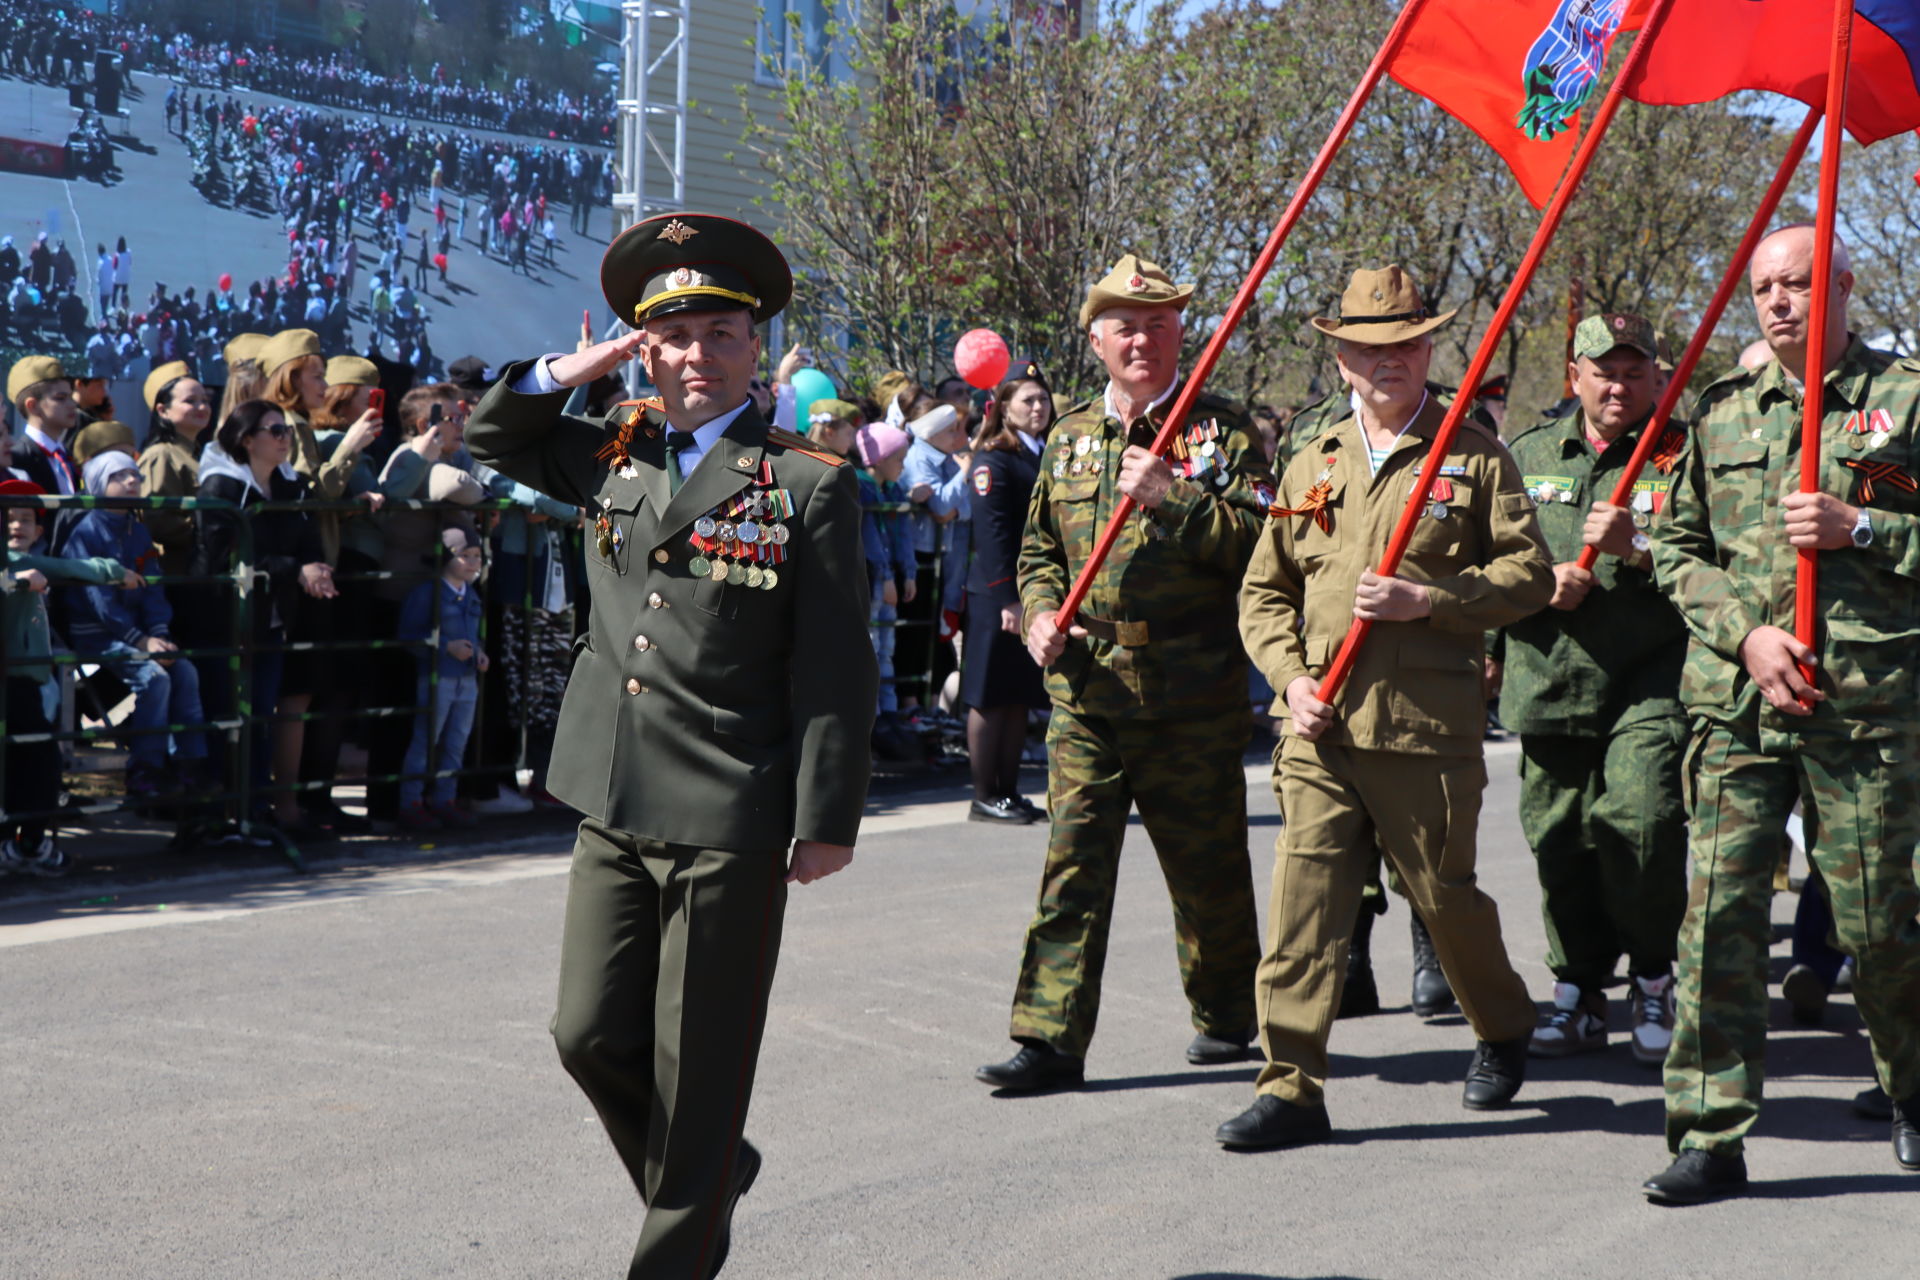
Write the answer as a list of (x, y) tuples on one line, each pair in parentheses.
[(1149, 686)]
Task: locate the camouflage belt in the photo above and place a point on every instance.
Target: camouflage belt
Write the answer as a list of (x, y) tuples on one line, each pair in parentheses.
[(1135, 635)]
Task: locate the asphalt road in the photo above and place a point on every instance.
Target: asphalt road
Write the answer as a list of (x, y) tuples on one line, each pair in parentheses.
[(245, 1074)]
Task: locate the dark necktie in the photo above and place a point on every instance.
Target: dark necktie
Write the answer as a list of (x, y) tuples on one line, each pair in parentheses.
[(678, 442)]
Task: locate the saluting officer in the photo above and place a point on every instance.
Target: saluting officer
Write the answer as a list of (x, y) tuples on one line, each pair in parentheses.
[(1592, 686), (1149, 687), (1399, 764), (714, 759)]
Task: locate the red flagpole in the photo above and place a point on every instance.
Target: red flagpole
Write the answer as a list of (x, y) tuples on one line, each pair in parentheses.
[(1490, 341), (1806, 578), (1210, 356), (1690, 359)]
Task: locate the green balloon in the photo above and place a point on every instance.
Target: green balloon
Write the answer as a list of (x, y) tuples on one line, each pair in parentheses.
[(810, 385)]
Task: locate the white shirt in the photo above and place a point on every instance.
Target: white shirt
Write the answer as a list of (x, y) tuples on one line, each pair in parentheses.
[(1158, 400), (539, 380), (48, 445)]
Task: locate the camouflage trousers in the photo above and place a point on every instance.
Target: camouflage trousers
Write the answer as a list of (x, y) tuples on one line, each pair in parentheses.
[(1863, 822), (1187, 778), (1604, 817), (1341, 805)]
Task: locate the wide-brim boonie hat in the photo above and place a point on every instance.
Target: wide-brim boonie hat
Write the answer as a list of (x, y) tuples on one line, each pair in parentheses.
[(1381, 306), (1133, 282)]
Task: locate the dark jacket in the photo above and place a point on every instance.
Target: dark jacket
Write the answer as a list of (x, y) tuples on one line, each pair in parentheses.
[(283, 541), (702, 712), (98, 616), (1000, 488), (459, 619)]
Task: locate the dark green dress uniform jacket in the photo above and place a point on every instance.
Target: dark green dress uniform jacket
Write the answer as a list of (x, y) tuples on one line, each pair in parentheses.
[(1579, 671), (702, 713)]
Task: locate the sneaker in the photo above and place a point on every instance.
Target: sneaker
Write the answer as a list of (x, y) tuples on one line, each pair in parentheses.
[(48, 860), (453, 816), (1651, 1000), (415, 817), (1806, 995), (507, 802), (1577, 1024)]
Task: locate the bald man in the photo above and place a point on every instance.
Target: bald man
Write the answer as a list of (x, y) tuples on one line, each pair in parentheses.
[(1844, 742)]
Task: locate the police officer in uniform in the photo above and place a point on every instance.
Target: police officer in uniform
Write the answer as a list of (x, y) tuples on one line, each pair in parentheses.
[(1592, 686), (714, 731), (1399, 762), (1149, 687)]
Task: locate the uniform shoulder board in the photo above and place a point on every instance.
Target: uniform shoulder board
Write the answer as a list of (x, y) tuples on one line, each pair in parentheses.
[(800, 444)]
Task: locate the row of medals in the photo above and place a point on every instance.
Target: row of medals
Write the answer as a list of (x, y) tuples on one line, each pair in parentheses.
[(1194, 452), (749, 530), (1548, 491)]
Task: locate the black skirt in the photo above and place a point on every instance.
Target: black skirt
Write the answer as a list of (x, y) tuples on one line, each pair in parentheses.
[(996, 669)]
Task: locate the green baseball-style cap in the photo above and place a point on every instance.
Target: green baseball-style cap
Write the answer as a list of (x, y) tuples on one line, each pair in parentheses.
[(1597, 335)]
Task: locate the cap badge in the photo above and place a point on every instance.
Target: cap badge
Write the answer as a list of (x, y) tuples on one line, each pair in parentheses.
[(678, 232), (682, 278), (1136, 283), (1619, 322)]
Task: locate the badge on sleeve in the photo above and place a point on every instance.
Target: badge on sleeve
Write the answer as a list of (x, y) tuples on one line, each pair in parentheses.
[(982, 481)]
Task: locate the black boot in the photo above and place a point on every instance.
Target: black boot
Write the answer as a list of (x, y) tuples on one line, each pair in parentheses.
[(1432, 994), (1269, 1123), (1906, 1134), (1497, 1072), (1697, 1176), (1036, 1066), (1360, 996)]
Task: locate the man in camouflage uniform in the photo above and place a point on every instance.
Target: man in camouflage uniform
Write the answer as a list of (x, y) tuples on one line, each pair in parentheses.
[(1844, 744), (1592, 686), (1399, 764), (1149, 687)]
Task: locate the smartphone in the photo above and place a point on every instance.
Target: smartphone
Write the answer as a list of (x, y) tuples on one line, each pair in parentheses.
[(436, 413), (377, 401)]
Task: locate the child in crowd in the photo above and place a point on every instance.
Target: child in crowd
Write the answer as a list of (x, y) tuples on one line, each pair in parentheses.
[(33, 768), (129, 631), (888, 538), (452, 602), (832, 424)]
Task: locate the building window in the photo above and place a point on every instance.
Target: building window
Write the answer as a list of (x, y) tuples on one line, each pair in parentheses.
[(791, 34)]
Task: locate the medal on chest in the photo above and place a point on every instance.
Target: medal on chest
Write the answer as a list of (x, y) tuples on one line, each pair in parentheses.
[(608, 537), (744, 538), (1868, 430), (1196, 451)]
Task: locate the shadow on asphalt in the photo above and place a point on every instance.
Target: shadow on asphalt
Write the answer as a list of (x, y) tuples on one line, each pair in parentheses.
[(1250, 1275)]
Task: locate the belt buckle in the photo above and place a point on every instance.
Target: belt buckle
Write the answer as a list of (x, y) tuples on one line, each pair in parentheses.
[(1130, 635)]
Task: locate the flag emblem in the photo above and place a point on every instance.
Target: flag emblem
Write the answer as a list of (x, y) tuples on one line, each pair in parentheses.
[(1564, 64)]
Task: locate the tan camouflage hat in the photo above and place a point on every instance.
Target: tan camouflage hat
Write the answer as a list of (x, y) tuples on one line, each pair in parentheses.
[(1597, 335), (1133, 282), (1381, 306)]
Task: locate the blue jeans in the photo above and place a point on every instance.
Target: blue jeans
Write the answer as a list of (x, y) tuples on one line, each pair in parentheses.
[(883, 631), (452, 712), (161, 696)]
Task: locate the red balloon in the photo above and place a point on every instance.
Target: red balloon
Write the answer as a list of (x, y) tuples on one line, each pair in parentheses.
[(440, 261), (225, 281), (981, 357)]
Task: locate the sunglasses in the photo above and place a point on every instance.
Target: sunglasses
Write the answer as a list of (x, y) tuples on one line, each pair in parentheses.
[(279, 431)]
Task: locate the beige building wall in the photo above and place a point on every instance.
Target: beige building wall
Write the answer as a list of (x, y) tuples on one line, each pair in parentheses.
[(723, 175)]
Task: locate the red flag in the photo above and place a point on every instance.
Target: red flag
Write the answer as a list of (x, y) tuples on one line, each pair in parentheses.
[(1708, 48), (1516, 72)]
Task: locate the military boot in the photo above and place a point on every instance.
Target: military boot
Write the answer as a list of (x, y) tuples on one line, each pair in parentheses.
[(1360, 996), (1432, 993)]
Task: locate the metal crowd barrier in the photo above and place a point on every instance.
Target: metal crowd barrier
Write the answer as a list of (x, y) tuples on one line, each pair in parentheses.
[(239, 789)]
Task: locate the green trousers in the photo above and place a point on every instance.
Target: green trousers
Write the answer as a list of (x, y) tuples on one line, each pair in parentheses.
[(1186, 775), (1863, 823), (1608, 829), (665, 965)]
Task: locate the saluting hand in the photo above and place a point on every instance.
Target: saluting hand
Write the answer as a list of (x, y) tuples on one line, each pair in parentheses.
[(1045, 640), (1379, 599), (584, 366), (1310, 715), (1773, 657), (1610, 529)]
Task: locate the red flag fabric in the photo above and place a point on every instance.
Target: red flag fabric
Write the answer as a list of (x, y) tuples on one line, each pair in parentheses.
[(1706, 49), (1516, 72)]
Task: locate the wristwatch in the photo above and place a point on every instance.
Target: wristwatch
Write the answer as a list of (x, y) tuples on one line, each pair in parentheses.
[(1863, 530)]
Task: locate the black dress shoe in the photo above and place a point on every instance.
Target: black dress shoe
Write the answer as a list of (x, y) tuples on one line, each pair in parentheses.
[(1496, 1075), (1360, 996), (1207, 1049), (1906, 1134), (1270, 1122), (1039, 814), (1036, 1066), (1873, 1104), (1696, 1177), (1001, 810), (746, 1169), (1432, 993)]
